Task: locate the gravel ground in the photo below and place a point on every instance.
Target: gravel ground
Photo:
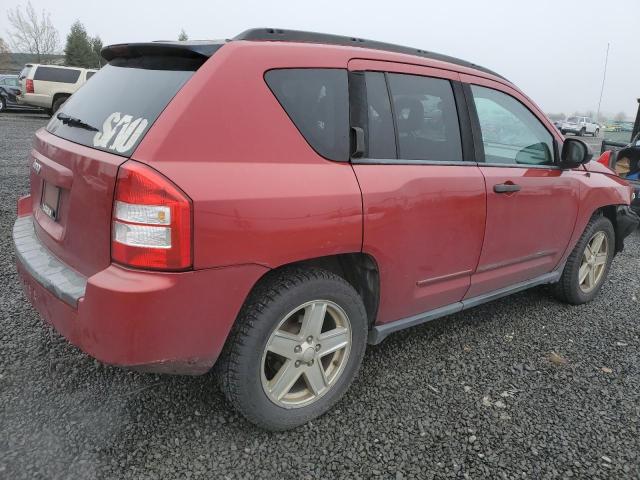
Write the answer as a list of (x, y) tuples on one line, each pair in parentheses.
[(525, 387)]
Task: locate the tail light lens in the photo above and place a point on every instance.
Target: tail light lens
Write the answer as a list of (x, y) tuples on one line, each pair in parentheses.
[(151, 225), (30, 86), (605, 158)]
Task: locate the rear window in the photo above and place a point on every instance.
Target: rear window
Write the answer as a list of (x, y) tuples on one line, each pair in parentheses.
[(317, 101), (61, 75), (117, 107)]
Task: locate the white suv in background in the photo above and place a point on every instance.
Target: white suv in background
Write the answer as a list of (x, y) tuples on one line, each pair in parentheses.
[(580, 126), (49, 86)]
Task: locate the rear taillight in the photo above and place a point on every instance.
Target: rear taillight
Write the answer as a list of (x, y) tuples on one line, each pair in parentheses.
[(151, 225), (605, 158), (29, 86)]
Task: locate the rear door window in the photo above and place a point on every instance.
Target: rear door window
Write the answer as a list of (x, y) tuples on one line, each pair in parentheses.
[(60, 75), (426, 118), (117, 107), (317, 102)]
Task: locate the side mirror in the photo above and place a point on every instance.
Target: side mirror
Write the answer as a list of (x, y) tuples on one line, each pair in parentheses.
[(574, 153)]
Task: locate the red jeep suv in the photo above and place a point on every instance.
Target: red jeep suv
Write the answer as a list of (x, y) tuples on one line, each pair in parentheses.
[(273, 203)]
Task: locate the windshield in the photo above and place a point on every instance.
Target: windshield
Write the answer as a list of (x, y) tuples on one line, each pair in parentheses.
[(117, 107), (572, 120)]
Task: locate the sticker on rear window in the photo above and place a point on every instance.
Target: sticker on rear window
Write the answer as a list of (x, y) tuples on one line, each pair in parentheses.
[(120, 132)]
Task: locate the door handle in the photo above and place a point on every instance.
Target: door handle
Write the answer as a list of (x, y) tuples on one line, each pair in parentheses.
[(506, 188)]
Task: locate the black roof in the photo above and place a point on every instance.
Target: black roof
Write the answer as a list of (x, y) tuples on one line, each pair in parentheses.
[(280, 35)]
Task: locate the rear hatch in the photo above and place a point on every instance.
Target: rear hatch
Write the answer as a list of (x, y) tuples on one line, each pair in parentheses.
[(75, 159)]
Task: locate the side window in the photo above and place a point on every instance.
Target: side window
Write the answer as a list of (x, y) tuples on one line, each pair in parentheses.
[(317, 101), (61, 75), (89, 75), (380, 133), (511, 134), (426, 118)]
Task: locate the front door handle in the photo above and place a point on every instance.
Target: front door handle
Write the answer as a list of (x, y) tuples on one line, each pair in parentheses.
[(506, 188)]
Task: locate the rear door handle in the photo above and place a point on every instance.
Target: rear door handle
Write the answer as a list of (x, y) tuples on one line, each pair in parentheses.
[(506, 188)]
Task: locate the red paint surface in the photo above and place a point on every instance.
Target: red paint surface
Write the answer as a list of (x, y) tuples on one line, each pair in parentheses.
[(263, 198), (132, 318)]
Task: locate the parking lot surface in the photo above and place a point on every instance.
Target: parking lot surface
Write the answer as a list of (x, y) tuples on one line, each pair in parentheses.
[(524, 387)]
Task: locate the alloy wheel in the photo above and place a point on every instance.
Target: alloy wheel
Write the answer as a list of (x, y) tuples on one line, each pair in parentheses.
[(594, 262), (306, 354)]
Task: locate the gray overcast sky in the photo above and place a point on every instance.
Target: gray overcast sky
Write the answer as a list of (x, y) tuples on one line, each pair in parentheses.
[(552, 50)]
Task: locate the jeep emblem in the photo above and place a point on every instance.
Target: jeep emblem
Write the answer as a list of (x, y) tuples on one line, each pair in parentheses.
[(36, 166)]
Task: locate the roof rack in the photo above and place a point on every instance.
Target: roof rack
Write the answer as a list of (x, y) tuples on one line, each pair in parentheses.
[(280, 35)]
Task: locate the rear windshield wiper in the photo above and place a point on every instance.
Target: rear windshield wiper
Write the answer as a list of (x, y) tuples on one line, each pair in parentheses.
[(75, 122)]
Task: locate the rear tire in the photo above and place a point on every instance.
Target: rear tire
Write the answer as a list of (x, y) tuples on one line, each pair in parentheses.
[(596, 133), (274, 339), (586, 270)]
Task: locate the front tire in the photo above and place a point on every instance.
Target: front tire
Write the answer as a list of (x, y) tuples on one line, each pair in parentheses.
[(596, 133), (3, 104), (581, 133), (295, 348), (588, 264)]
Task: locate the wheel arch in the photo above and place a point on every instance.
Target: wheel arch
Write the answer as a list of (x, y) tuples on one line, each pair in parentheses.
[(359, 269), (59, 95), (611, 213)]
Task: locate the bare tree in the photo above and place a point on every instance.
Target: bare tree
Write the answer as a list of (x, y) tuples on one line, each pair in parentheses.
[(32, 33), (620, 117), (5, 55)]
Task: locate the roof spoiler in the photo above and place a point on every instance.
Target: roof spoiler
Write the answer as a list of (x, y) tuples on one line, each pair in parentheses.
[(193, 49)]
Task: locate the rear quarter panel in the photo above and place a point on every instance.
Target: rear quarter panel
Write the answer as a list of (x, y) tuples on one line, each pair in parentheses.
[(260, 193)]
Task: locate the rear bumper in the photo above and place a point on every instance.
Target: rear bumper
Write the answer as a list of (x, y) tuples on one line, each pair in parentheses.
[(153, 321)]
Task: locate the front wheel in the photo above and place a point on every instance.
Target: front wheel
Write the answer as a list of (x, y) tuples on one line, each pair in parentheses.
[(596, 133), (3, 104), (581, 132), (295, 348), (588, 264)]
